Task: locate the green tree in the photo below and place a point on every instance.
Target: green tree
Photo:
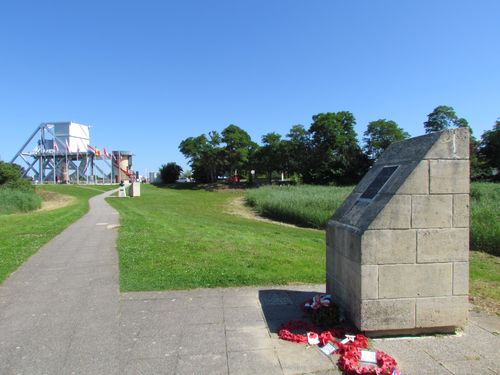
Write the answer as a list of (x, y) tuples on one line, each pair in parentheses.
[(238, 148), (297, 150), (335, 154), (170, 172), (478, 168), (489, 150), (193, 148), (205, 155), (271, 155), (379, 135), (444, 117), (213, 156)]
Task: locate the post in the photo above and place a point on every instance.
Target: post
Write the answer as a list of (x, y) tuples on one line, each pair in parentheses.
[(42, 168), (66, 157), (54, 164), (77, 166), (40, 173)]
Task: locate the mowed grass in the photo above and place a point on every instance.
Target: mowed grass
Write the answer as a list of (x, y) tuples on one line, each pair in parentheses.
[(485, 281), (21, 235), (304, 205), (176, 239)]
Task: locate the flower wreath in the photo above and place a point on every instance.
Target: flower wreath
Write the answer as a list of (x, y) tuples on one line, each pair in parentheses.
[(360, 341), (349, 363), (350, 351), (285, 333)]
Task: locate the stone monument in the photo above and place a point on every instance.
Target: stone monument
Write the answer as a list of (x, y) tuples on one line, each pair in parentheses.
[(135, 189), (398, 247), (121, 190)]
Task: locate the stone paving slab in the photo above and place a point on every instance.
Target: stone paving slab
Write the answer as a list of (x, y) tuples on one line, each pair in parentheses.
[(62, 313), (251, 345)]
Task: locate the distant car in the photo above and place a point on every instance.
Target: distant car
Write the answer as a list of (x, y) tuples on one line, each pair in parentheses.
[(184, 179)]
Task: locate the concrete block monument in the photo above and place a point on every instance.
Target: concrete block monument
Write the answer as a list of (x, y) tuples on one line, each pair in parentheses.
[(398, 247), (135, 189), (121, 190)]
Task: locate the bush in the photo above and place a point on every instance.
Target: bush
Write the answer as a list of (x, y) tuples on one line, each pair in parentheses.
[(9, 173), (11, 177), (16, 201), (304, 205), (170, 172), (20, 184), (16, 193), (485, 217)]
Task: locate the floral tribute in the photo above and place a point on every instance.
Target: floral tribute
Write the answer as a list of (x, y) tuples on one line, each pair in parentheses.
[(320, 308), (349, 363)]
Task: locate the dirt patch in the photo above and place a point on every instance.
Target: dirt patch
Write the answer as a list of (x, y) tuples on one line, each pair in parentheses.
[(238, 207), (52, 201)]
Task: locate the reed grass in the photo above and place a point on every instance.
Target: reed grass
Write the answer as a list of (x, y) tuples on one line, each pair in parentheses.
[(304, 205), (17, 201), (485, 217), (312, 206)]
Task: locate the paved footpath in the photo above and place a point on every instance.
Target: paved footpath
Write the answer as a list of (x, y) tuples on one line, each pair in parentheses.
[(59, 312), (62, 313)]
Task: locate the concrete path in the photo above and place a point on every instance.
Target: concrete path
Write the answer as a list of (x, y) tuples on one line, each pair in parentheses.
[(62, 313), (59, 312)]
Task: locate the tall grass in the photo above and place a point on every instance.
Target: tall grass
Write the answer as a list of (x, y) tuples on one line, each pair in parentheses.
[(17, 200), (312, 206), (485, 217), (304, 205)]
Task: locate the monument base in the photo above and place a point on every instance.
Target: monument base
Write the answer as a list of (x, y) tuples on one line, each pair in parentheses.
[(411, 332)]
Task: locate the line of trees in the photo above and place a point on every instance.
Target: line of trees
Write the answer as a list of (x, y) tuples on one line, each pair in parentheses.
[(325, 153)]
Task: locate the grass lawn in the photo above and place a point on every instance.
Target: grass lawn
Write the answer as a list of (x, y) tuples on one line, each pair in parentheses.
[(21, 235), (173, 239), (485, 281)]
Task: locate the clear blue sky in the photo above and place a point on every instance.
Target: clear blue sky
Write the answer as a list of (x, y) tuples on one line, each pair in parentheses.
[(147, 74)]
